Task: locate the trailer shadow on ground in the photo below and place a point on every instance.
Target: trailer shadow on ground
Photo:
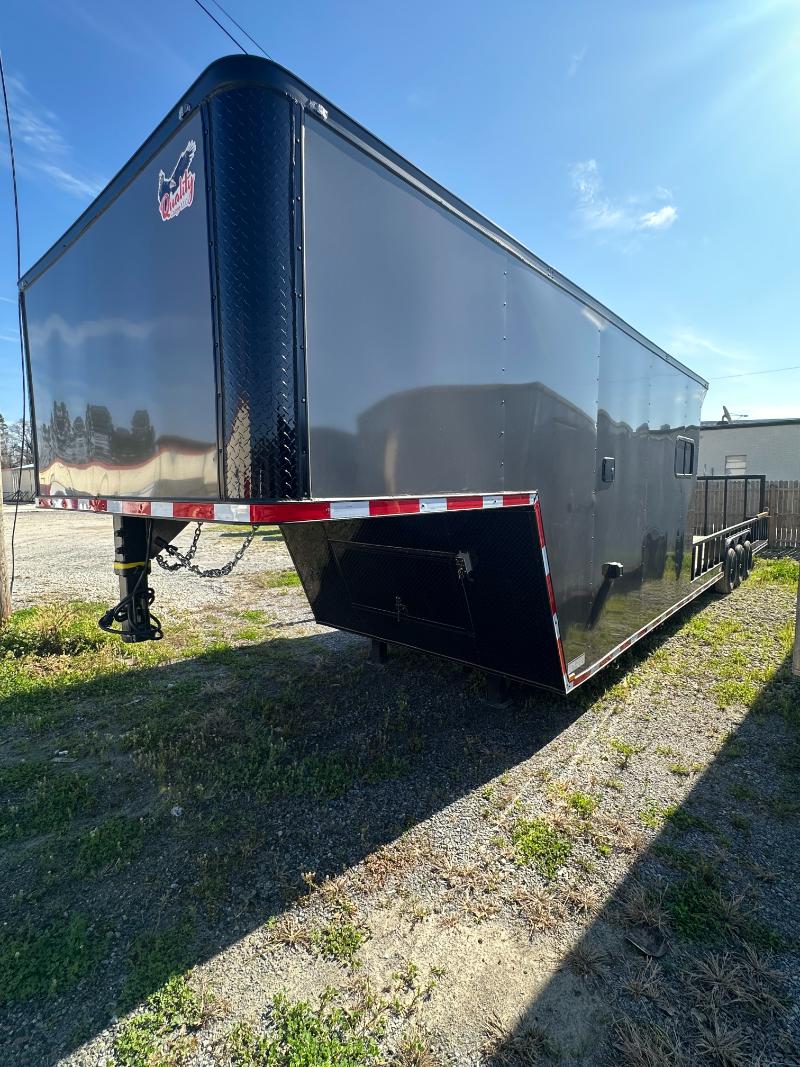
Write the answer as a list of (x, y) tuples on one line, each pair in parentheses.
[(157, 815), (693, 958)]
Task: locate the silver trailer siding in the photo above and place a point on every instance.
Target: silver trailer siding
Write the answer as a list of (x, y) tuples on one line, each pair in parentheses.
[(321, 326)]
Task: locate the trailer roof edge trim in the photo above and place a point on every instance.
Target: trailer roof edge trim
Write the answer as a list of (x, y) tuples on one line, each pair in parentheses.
[(230, 71)]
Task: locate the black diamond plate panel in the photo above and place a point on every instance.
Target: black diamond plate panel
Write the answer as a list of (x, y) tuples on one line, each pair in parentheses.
[(251, 138)]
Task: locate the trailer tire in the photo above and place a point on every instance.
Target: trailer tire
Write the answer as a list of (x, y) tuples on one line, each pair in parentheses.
[(747, 559), (725, 584), (739, 566)]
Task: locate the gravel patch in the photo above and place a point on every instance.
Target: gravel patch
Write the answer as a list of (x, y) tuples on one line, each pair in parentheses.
[(391, 821)]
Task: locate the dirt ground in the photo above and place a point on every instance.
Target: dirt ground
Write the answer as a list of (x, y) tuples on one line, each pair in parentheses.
[(610, 879)]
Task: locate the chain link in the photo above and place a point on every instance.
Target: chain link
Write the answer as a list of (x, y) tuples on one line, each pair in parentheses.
[(184, 560)]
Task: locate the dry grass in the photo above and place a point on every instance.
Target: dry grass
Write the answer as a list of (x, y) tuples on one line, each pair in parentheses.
[(583, 899), (644, 981), (522, 1045), (643, 905), (414, 1051), (587, 961), (540, 908), (647, 1045), (288, 930), (723, 1044)]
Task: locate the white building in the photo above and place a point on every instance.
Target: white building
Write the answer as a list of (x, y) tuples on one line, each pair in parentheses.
[(15, 478), (752, 446)]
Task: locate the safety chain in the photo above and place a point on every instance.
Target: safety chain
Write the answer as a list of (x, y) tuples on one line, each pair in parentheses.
[(185, 560)]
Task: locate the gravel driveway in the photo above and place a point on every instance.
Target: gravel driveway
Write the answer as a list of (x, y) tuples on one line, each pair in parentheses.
[(65, 556)]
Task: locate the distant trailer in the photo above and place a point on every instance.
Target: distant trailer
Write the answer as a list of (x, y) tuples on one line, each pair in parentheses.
[(19, 484), (269, 316)]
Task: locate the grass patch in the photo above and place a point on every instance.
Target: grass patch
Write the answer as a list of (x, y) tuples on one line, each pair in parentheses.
[(153, 959), (624, 750), (302, 1036), (701, 912), (539, 843), (287, 579), (653, 816), (248, 633), (21, 775), (43, 962), (110, 845), (51, 658), (695, 908), (583, 804), (50, 804), (160, 1035), (781, 571), (339, 940)]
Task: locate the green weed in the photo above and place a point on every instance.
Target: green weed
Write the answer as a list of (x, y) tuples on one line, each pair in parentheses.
[(584, 804), (155, 958), (539, 843), (287, 579), (157, 1036), (624, 750), (50, 804), (302, 1036), (248, 633), (781, 571), (44, 961), (339, 940), (109, 845)]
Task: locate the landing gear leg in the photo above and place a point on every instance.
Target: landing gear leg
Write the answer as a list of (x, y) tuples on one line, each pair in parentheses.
[(379, 652), (497, 691), (132, 542)]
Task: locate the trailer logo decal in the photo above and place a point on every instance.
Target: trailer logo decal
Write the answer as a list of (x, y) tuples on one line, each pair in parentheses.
[(177, 191)]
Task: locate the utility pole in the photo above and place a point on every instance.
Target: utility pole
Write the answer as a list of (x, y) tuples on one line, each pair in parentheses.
[(5, 595), (796, 656)]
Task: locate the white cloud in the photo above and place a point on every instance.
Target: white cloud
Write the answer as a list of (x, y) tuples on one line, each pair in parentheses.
[(575, 61), (687, 343), (600, 212), (41, 146), (659, 220), (10, 337)]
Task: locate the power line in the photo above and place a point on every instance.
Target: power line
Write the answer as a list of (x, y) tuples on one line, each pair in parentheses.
[(240, 27), (19, 317), (224, 30), (750, 373)]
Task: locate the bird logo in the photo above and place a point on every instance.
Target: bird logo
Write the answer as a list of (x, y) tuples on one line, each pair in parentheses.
[(176, 192)]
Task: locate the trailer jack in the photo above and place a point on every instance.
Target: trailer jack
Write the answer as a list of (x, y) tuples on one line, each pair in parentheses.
[(133, 550)]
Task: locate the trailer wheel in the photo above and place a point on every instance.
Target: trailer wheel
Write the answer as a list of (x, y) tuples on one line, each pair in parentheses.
[(747, 559), (729, 569), (739, 550)]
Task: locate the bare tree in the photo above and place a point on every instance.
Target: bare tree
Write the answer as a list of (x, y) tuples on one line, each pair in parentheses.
[(20, 450)]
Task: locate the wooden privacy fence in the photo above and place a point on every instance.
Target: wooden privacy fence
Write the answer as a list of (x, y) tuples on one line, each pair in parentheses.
[(720, 501), (784, 514)]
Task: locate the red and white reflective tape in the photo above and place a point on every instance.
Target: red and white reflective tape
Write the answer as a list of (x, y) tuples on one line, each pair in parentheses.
[(290, 511), (551, 596)]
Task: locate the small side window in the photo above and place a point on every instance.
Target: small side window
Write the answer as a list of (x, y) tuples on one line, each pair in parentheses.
[(684, 457)]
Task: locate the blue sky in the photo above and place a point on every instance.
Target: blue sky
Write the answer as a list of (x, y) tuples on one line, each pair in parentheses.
[(650, 152)]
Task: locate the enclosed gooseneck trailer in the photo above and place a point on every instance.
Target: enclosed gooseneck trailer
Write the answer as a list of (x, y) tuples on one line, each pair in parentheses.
[(268, 316)]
